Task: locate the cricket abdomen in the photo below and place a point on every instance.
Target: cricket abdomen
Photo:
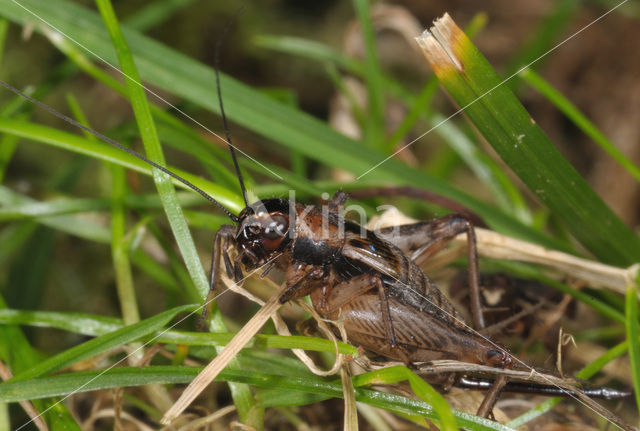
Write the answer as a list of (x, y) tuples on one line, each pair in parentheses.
[(420, 337)]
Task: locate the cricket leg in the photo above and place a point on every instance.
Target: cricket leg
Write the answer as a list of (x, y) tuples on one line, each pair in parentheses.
[(329, 303), (386, 313), (223, 237), (417, 193), (435, 235), (345, 292), (424, 239)]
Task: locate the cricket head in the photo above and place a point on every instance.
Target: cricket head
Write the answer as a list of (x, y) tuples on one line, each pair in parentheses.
[(263, 231)]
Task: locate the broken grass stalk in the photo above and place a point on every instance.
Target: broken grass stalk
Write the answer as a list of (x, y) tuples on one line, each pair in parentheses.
[(494, 245), (218, 364), (268, 310), (506, 125)]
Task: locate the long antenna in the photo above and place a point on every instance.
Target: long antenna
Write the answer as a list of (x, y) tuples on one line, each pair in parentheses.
[(116, 144), (224, 117)]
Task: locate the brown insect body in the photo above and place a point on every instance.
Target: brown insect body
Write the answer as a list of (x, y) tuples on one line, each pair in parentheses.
[(365, 279)]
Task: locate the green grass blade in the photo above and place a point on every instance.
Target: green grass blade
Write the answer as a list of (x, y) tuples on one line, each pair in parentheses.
[(13, 239), (241, 394), (122, 377), (119, 248), (27, 209), (633, 338), (296, 130), (18, 355), (153, 149), (507, 126), (545, 36), (155, 12), (92, 325), (102, 343), (486, 169), (79, 323), (309, 49), (107, 153), (4, 27), (8, 145), (419, 387), (374, 121), (418, 107), (579, 119)]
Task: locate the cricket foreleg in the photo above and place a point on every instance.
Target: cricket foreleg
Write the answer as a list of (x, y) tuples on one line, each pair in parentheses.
[(223, 238)]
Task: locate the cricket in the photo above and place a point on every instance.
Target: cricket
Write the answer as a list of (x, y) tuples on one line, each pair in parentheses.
[(366, 287)]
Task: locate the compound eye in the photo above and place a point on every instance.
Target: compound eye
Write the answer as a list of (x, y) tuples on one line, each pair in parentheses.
[(275, 231), (498, 358)]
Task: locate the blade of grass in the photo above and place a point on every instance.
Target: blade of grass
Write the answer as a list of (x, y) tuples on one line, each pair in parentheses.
[(152, 146), (579, 119), (79, 323), (94, 325), (154, 13), (374, 122), (119, 377), (193, 81), (119, 251), (633, 338), (17, 353), (102, 343), (418, 107), (241, 394), (101, 151), (309, 49), (546, 34), (4, 27), (421, 388), (13, 238), (8, 145), (506, 193), (73, 225), (507, 126)]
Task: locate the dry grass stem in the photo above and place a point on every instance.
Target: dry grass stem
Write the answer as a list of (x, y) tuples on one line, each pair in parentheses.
[(30, 410), (204, 422), (350, 410), (89, 424), (219, 363), (494, 245)]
